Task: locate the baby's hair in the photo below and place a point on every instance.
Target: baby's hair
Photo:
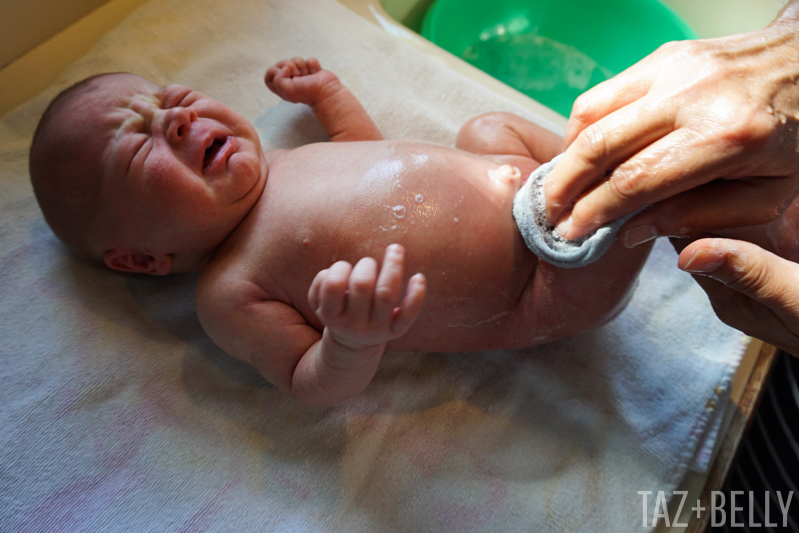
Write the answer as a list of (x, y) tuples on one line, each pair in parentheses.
[(63, 98), (68, 203)]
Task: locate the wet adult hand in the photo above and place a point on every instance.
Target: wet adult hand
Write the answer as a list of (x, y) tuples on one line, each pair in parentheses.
[(750, 288), (705, 132)]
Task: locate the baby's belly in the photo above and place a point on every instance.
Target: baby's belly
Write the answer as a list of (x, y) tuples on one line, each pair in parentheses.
[(453, 214), (450, 210)]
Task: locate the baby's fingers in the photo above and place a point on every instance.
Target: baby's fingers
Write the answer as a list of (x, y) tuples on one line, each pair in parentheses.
[(291, 65), (411, 305), (314, 297), (389, 285), (361, 288), (276, 78), (302, 66), (313, 65), (269, 77), (333, 291)]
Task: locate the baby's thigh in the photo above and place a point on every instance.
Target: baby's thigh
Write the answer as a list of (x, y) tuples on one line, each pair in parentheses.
[(508, 135), (561, 302)]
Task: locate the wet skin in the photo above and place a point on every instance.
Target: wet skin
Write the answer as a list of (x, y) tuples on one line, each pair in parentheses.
[(343, 201), (190, 189)]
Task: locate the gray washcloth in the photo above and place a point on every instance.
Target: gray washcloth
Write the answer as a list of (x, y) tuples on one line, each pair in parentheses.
[(529, 210)]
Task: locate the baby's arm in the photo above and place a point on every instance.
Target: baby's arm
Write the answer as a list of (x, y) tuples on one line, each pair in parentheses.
[(340, 113), (360, 308)]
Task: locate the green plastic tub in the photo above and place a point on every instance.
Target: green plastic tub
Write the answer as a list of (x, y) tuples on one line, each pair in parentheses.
[(552, 50)]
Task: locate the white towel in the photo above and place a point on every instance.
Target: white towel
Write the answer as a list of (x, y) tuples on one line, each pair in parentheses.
[(118, 414)]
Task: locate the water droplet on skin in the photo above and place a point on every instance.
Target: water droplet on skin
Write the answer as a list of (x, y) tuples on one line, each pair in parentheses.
[(399, 211), (769, 110), (418, 198), (393, 227), (783, 119), (455, 219)]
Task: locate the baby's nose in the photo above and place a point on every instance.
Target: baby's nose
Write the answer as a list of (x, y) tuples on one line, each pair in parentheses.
[(176, 123)]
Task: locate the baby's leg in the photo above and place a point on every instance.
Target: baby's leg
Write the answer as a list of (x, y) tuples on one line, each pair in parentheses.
[(557, 302), (509, 139)]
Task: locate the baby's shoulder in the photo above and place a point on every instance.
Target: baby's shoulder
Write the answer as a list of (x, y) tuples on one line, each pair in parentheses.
[(227, 282)]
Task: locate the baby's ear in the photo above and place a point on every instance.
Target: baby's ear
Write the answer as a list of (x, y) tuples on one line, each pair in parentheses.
[(128, 260)]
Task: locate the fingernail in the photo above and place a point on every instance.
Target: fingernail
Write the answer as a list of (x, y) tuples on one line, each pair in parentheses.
[(564, 226), (639, 235), (700, 263)]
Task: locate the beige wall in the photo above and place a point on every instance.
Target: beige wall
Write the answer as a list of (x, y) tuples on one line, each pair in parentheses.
[(27, 23)]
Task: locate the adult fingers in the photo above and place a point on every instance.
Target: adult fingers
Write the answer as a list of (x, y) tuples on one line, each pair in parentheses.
[(770, 285), (606, 98), (603, 146), (695, 153), (717, 205), (747, 315)]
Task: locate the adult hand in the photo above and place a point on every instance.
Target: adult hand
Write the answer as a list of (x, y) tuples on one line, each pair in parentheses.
[(705, 132), (751, 289)]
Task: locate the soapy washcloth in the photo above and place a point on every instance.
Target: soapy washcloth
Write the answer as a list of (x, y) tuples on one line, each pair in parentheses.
[(529, 211)]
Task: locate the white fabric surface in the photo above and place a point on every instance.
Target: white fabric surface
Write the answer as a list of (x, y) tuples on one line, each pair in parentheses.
[(118, 414)]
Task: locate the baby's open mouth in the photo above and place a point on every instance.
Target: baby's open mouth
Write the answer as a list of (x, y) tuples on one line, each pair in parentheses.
[(212, 153)]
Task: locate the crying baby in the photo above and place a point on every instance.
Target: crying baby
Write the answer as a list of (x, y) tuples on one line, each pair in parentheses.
[(316, 260)]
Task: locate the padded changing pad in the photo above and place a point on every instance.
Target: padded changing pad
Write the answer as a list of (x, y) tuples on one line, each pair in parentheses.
[(117, 413)]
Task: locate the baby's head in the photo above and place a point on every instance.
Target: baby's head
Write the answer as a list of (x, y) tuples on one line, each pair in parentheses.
[(144, 178)]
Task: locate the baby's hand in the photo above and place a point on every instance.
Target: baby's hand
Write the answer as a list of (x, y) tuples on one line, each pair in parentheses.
[(361, 308), (299, 81)]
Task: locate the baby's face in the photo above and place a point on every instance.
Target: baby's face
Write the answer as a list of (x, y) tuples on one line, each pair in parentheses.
[(180, 170)]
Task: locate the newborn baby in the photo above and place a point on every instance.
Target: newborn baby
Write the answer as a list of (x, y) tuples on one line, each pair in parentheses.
[(307, 254)]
